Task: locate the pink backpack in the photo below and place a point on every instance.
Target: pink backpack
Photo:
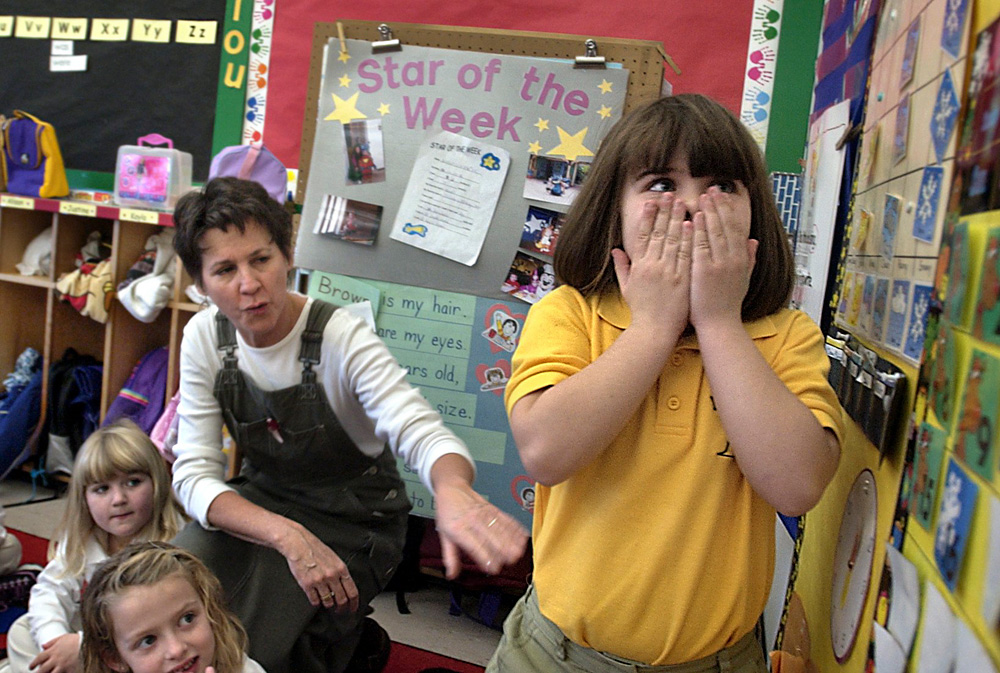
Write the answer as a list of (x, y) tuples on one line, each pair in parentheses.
[(252, 162)]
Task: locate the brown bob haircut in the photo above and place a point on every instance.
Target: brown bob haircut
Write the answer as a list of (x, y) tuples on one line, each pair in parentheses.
[(223, 203), (717, 145)]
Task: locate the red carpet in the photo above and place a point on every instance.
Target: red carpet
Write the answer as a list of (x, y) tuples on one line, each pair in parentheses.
[(402, 658), (34, 549), (406, 659)]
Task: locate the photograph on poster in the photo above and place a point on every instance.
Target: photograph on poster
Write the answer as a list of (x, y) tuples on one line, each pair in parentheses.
[(529, 278), (349, 220), (554, 180), (541, 230), (365, 160)]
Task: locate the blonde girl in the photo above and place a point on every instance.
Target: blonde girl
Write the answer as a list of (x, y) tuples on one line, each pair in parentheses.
[(189, 627), (120, 491), (667, 403)]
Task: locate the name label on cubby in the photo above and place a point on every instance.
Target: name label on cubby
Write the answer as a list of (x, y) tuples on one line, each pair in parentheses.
[(8, 201), (85, 209), (144, 216)]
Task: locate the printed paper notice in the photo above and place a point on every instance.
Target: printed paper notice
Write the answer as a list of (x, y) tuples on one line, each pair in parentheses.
[(451, 196)]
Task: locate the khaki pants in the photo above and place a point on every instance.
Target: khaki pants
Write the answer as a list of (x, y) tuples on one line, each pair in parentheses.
[(531, 642)]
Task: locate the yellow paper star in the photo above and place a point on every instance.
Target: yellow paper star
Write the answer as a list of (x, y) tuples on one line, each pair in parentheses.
[(345, 110), (535, 147), (604, 86), (345, 81), (542, 124), (383, 109), (489, 161), (571, 146), (605, 112), (344, 57)]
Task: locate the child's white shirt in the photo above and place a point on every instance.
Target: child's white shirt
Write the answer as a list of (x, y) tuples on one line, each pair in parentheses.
[(251, 666), (54, 606)]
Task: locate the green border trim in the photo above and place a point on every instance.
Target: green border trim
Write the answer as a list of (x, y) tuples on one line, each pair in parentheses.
[(233, 74), (793, 85)]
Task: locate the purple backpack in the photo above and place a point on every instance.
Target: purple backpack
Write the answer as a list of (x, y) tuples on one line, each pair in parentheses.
[(252, 162), (142, 397)]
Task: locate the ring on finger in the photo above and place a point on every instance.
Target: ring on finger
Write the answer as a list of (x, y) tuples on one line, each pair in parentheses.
[(324, 597)]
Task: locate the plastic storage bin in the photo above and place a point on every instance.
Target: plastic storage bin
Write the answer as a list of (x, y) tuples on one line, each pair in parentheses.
[(151, 177)]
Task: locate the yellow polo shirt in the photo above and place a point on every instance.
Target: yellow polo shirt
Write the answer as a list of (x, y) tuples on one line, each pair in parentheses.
[(659, 550)]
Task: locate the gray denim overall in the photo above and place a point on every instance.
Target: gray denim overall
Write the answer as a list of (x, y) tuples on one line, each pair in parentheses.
[(300, 463)]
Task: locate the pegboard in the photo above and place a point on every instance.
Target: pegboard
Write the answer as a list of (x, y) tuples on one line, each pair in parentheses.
[(644, 59)]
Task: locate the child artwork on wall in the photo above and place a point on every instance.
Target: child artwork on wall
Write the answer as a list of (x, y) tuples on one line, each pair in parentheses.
[(899, 138), (986, 323), (857, 295), (917, 324), (890, 224), (958, 271), (541, 230), (977, 422), (879, 306), (493, 379), (503, 329), (927, 204), (958, 500), (945, 114), (942, 385), (953, 26), (910, 53), (978, 156), (894, 333), (845, 296), (930, 446), (867, 304)]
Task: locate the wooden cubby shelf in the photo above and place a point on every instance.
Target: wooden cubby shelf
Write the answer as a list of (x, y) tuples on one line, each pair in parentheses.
[(31, 313)]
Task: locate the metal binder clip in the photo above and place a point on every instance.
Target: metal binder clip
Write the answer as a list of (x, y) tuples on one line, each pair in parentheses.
[(590, 59), (387, 43)]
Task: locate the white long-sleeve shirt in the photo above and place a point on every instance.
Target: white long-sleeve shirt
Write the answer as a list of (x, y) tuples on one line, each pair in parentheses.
[(366, 388), (54, 606)]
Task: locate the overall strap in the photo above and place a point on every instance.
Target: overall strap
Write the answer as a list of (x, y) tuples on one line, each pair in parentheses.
[(225, 336), (312, 338)]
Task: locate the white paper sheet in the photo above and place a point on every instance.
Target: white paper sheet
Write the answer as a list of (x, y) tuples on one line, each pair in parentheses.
[(991, 586), (451, 196), (905, 609), (970, 655), (889, 655), (937, 645)]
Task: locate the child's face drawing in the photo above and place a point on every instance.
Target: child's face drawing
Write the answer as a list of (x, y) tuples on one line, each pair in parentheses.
[(160, 628), (121, 506), (677, 180), (509, 328)]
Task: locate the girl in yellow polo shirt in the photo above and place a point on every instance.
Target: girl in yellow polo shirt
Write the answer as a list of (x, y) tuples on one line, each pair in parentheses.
[(667, 403)]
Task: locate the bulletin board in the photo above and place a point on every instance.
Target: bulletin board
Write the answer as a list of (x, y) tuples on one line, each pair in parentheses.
[(448, 324), (130, 87), (392, 261)]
